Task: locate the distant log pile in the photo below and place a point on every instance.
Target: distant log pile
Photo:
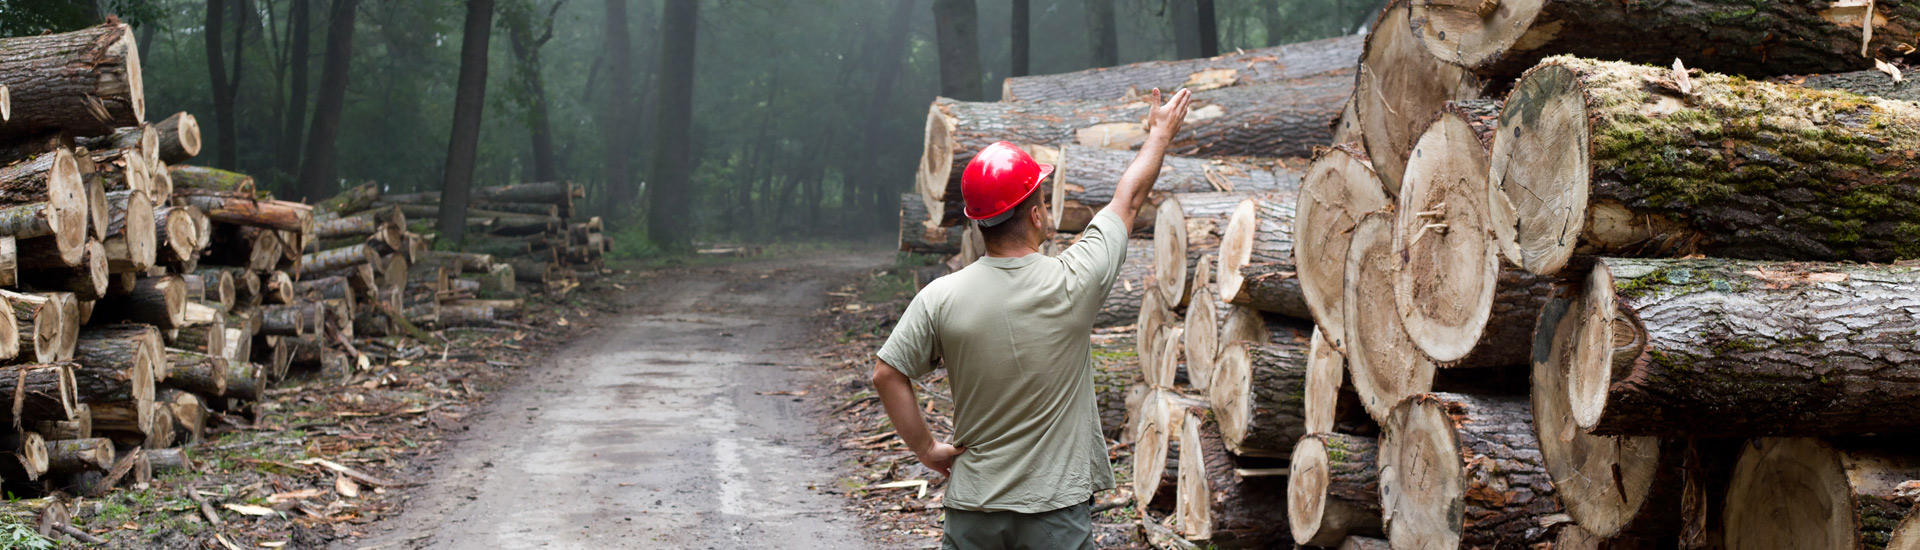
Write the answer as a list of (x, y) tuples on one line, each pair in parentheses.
[(1529, 321), (529, 227)]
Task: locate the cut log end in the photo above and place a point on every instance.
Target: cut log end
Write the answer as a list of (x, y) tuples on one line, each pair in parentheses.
[(1592, 341), (188, 132), (1538, 170), (1200, 335), (1339, 189), (1150, 447), (1326, 371), (1602, 480), (936, 162), (1423, 508), (1804, 493), (1236, 246), (1399, 83), (1385, 365), (67, 207), (1444, 291), (1170, 251), (1333, 489), (1473, 37)]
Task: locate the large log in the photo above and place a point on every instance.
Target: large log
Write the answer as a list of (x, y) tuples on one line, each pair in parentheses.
[(1741, 348), (1258, 393), (1333, 488), (40, 325), (1806, 493), (1332, 56), (1085, 177), (40, 392), (130, 239), (1281, 119), (1505, 38), (86, 82), (1384, 364), (1594, 160), (67, 456), (199, 180), (1459, 471), (1217, 501), (1399, 86), (1339, 189), (79, 427), (917, 234), (46, 197), (115, 364), (1186, 231), (1256, 257), (88, 281), (267, 214), (158, 301), (1444, 290), (1613, 486)]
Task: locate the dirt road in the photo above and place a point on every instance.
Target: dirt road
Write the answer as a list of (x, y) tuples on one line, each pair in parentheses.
[(654, 431)]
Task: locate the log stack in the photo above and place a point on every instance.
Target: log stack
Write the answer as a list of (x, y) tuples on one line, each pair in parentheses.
[(529, 226), (1546, 317)]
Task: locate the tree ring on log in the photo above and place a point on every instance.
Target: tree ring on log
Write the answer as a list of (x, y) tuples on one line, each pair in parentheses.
[(1150, 441), (1398, 86), (67, 207), (1201, 338), (1790, 493), (1340, 188), (1325, 369), (1603, 481), (1444, 291), (1422, 492), (1595, 337), (136, 87), (1307, 480), (1538, 171), (1470, 38), (1236, 246), (1170, 251), (1385, 365), (936, 162)]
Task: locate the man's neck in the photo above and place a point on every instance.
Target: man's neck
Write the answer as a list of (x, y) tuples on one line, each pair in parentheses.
[(1010, 248)]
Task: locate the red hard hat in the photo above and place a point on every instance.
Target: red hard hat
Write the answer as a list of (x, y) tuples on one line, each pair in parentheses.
[(998, 179)]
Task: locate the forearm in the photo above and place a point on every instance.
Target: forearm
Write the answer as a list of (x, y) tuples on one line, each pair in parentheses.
[(1137, 182), (903, 408)]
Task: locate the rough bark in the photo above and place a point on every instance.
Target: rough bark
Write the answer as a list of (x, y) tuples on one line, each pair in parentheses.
[(1459, 471), (268, 214), (336, 259), (197, 372), (1332, 56), (1216, 502), (85, 82), (1123, 303), (130, 236), (1339, 189), (917, 235), (40, 392), (1385, 365), (197, 180), (316, 169), (244, 381), (1333, 488), (291, 320), (46, 197), (1258, 396), (1617, 166), (87, 282), (1613, 486), (1400, 84), (1256, 259), (1807, 493), (1735, 348), (67, 456), (115, 364), (1085, 178), (79, 426), (157, 301), (1760, 39)]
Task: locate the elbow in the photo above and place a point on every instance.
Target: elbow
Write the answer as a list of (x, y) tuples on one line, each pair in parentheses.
[(884, 374)]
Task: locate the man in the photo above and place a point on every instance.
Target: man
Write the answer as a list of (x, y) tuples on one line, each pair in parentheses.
[(1014, 332)]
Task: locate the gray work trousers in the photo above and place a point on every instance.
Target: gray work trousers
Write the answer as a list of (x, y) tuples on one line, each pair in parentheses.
[(1069, 528)]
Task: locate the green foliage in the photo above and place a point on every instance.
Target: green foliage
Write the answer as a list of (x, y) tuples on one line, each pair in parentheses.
[(23, 537)]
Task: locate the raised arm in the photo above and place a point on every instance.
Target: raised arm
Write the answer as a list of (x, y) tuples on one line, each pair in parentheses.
[(1163, 121)]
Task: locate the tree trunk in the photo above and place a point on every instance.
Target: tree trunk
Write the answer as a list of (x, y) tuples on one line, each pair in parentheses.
[(156, 301), (88, 281), (269, 214), (288, 152), (46, 197), (316, 168), (1333, 488), (197, 180), (130, 232), (1341, 187), (1186, 232), (1217, 501), (1085, 178), (918, 235), (113, 366), (1021, 37), (1807, 493), (468, 105), (1749, 193), (1103, 34), (1256, 259), (1734, 348), (526, 54), (668, 222), (1257, 396), (1398, 86), (178, 139), (41, 392), (956, 26), (84, 83), (894, 51), (1613, 486), (1765, 39), (1459, 471), (67, 456), (1209, 28), (617, 168), (1385, 365), (1332, 57)]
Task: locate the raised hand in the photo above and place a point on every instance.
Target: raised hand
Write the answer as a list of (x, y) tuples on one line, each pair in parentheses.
[(1165, 118)]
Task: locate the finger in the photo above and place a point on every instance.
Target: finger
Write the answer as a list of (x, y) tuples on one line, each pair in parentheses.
[(958, 450), (1184, 97), (1154, 98)]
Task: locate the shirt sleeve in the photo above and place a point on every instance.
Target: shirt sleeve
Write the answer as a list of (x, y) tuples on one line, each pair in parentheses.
[(912, 345), (1096, 259)]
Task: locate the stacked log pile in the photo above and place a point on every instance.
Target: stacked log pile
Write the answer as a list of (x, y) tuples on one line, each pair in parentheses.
[(529, 226), (150, 301), (1616, 305)]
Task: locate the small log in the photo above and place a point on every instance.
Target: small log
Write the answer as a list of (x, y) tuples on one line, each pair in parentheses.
[(1259, 236), (197, 372), (161, 434), (169, 460), (1339, 189), (277, 288), (239, 347), (291, 319), (1218, 502), (86, 82), (86, 282), (336, 259), (1257, 396), (214, 286), (46, 197), (9, 261), (1459, 471), (40, 326), (1809, 493), (200, 180), (266, 214), (10, 333), (462, 262), (919, 234), (241, 283), (499, 280), (347, 227), (178, 138), (1333, 489), (1326, 406), (115, 364), (67, 456), (124, 417), (1384, 364), (72, 315), (158, 301), (97, 215), (80, 426), (204, 338), (353, 199), (1186, 230), (1156, 434), (1740, 348), (177, 236), (244, 381), (467, 316), (40, 393)]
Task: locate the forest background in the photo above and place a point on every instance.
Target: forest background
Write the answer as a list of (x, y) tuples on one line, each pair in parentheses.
[(798, 119)]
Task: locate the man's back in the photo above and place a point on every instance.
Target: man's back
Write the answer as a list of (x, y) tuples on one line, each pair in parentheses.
[(1013, 333)]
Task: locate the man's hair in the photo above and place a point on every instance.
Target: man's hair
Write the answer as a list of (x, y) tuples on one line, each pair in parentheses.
[(1012, 225)]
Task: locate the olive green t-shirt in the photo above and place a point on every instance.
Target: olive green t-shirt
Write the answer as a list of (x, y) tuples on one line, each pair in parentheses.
[(1015, 337)]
